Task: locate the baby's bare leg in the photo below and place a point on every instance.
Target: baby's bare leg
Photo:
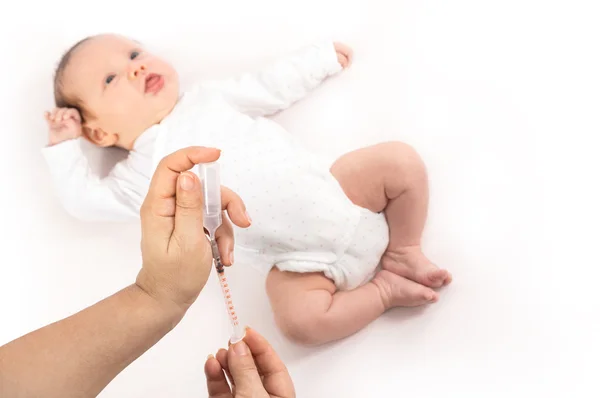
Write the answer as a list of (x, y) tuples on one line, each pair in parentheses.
[(391, 177), (309, 311)]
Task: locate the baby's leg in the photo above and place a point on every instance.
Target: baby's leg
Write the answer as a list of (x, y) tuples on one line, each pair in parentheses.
[(309, 311), (391, 177)]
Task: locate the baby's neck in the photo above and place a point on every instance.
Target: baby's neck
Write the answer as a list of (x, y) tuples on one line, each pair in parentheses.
[(160, 117)]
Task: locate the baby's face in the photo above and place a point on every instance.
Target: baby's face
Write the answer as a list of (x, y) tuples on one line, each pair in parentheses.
[(126, 89)]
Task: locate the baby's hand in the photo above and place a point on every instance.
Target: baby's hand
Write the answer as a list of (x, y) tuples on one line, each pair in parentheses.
[(344, 54), (63, 124)]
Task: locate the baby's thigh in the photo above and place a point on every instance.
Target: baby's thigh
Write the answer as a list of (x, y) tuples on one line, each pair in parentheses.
[(290, 289), (361, 174), (298, 300)]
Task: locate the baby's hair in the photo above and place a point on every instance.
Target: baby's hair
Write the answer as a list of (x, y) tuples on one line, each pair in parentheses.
[(61, 99)]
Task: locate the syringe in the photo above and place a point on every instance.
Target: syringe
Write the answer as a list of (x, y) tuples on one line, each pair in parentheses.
[(210, 179)]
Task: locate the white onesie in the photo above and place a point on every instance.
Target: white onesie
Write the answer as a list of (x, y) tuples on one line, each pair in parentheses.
[(302, 219)]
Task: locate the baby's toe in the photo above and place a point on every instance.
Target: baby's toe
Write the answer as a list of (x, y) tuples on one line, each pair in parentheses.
[(437, 277), (432, 297), (448, 279), (421, 295), (429, 295)]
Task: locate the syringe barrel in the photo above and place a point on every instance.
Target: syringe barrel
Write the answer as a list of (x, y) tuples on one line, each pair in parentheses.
[(210, 179), (238, 331)]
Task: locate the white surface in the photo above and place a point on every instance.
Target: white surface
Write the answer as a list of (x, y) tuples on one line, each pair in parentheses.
[(500, 98)]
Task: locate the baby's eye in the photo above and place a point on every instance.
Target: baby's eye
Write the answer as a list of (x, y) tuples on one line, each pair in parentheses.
[(134, 54), (109, 79)]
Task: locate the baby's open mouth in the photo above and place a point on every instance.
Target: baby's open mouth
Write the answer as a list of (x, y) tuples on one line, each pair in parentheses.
[(154, 83)]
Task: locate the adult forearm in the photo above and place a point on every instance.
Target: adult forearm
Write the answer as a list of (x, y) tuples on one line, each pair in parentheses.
[(80, 355)]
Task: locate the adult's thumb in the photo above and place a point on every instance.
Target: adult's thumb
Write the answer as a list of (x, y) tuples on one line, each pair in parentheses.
[(244, 372), (189, 228)]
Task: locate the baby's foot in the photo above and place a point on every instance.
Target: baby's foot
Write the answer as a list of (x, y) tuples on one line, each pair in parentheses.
[(397, 291), (411, 263)]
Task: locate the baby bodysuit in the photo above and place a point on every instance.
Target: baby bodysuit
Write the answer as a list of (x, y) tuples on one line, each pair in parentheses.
[(302, 219)]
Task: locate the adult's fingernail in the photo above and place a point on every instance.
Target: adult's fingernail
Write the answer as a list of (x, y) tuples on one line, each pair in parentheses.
[(231, 257), (210, 356), (249, 218), (241, 349), (186, 182)]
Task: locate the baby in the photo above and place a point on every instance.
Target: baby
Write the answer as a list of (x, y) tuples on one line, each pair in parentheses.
[(341, 239)]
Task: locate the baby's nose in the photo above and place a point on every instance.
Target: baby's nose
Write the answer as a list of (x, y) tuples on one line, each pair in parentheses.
[(137, 70)]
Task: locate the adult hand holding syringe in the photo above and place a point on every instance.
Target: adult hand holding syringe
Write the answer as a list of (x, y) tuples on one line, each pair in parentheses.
[(209, 174), (99, 342)]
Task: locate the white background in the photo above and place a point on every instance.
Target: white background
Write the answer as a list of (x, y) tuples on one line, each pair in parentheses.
[(501, 98)]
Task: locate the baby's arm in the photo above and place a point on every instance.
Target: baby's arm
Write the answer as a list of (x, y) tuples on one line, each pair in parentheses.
[(286, 80), (84, 195)]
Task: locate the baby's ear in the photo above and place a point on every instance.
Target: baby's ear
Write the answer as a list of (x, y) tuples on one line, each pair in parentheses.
[(99, 137)]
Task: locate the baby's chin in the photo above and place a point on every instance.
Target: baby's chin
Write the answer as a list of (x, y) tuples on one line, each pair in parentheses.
[(167, 107)]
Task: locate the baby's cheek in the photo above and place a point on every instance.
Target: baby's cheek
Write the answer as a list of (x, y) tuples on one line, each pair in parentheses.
[(128, 107)]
